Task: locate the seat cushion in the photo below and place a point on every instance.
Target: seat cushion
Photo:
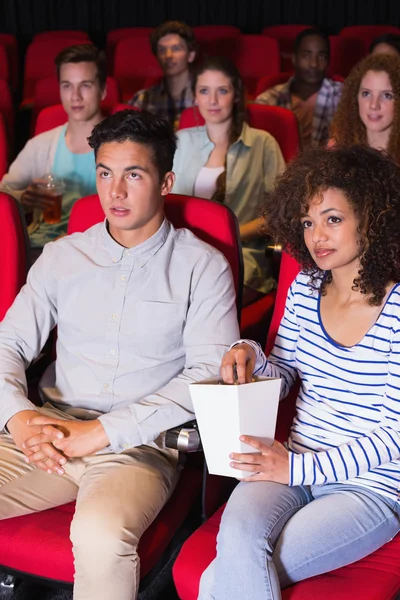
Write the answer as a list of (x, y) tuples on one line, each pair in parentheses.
[(39, 544), (376, 577)]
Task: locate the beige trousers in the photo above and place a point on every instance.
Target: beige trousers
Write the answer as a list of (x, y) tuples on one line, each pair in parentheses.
[(117, 497)]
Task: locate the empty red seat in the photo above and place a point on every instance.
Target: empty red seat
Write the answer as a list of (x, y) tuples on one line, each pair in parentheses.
[(116, 35), (7, 110), (134, 62), (345, 53), (39, 61), (367, 33), (9, 41), (13, 249), (255, 56), (216, 40)]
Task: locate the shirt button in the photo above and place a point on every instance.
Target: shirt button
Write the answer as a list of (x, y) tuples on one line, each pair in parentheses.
[(114, 316), (115, 260), (106, 386), (126, 446), (123, 278), (127, 253), (112, 351)]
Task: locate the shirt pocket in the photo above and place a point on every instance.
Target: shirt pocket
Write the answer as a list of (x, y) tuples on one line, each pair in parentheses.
[(156, 327)]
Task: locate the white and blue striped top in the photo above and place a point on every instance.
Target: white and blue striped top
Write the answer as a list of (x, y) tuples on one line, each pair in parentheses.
[(347, 424)]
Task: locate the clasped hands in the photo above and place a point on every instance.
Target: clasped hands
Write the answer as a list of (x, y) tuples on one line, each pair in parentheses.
[(48, 442), (269, 463)]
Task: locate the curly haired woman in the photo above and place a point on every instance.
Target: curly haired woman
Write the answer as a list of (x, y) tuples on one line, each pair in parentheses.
[(332, 497), (369, 108)]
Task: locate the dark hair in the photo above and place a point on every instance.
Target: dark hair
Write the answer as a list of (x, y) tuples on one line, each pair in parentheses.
[(228, 68), (311, 31), (177, 27), (143, 128), (346, 126), (84, 53), (370, 180), (391, 39)]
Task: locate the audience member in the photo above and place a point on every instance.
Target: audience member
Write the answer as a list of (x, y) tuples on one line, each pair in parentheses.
[(389, 43), (141, 310), (174, 45), (63, 151), (229, 161), (369, 110), (331, 497), (309, 93)]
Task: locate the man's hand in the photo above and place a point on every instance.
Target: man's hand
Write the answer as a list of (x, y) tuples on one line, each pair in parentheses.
[(243, 358), (270, 463), (51, 459), (33, 198), (77, 438)]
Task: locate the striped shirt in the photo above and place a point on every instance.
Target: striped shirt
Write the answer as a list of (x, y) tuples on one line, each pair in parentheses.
[(347, 424)]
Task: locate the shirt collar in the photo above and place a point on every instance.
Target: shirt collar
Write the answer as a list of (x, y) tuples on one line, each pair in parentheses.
[(246, 137), (144, 251)]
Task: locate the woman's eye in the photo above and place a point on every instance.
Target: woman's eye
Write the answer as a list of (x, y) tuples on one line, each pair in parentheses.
[(223, 91), (203, 91), (388, 96), (364, 94), (306, 224), (334, 220)]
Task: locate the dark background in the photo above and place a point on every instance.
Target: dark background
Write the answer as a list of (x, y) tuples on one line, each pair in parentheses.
[(27, 17)]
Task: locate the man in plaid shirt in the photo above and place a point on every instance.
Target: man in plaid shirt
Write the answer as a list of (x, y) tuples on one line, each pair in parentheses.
[(174, 45), (309, 93)]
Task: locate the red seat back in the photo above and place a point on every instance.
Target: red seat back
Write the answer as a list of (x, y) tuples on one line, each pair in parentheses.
[(345, 53), (13, 251), (286, 36), (4, 149), (4, 64), (216, 40), (367, 33), (7, 110), (53, 116), (268, 81), (9, 42), (116, 35), (134, 62), (71, 34), (255, 56), (211, 221), (279, 122), (39, 61)]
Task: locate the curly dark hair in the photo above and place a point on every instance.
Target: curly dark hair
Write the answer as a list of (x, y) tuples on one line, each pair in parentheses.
[(346, 127), (370, 180)]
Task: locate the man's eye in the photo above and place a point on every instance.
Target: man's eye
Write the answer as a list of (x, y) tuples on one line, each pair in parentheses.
[(104, 174)]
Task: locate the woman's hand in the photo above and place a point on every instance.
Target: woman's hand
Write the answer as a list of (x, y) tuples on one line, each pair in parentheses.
[(270, 463), (242, 359)]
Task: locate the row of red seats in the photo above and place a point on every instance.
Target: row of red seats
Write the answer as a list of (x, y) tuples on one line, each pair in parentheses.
[(38, 545)]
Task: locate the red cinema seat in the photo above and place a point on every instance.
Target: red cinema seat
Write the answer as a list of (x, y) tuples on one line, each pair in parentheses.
[(7, 110), (286, 36), (376, 577), (9, 42), (255, 56), (134, 62), (4, 149), (53, 116), (39, 61), (367, 33), (47, 93), (13, 251), (345, 53), (38, 545), (268, 81), (216, 40), (68, 33), (116, 35), (4, 64)]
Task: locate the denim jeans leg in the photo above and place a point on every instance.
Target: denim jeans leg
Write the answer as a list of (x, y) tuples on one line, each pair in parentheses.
[(343, 524), (252, 521)]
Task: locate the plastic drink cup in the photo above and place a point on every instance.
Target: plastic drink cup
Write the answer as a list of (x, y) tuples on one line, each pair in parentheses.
[(52, 188)]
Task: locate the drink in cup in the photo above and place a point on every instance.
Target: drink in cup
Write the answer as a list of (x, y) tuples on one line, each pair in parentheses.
[(52, 189)]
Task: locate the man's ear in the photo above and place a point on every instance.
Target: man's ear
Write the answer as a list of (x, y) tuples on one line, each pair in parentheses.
[(168, 183), (192, 56), (104, 92)]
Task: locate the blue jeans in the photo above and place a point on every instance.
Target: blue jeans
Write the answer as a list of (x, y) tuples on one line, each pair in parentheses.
[(272, 536)]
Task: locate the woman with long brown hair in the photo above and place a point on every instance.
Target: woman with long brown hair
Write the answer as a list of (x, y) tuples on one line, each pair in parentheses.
[(228, 161), (369, 109)]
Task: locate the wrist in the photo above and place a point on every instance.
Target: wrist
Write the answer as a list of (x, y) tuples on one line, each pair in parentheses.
[(20, 417)]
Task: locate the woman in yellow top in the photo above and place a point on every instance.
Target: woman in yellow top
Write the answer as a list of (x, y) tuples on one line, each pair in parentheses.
[(228, 161), (369, 109)]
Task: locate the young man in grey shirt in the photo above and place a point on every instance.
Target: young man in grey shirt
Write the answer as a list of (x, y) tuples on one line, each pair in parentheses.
[(142, 310)]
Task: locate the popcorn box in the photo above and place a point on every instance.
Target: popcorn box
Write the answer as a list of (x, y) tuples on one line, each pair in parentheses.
[(225, 412)]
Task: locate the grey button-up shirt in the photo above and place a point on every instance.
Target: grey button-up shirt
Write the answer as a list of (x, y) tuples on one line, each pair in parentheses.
[(135, 327)]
